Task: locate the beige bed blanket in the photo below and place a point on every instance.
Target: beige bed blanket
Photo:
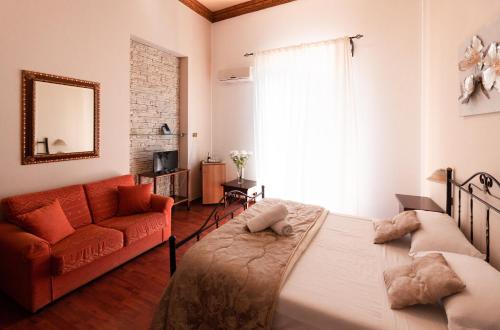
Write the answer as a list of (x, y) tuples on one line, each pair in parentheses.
[(231, 279)]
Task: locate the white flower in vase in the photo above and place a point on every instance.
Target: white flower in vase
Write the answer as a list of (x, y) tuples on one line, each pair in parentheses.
[(239, 159)]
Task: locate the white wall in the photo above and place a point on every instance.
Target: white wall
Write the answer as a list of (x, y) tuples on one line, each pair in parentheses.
[(387, 82), (467, 144), (90, 39)]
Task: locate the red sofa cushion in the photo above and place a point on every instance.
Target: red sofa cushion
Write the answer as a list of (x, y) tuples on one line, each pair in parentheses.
[(86, 245), (71, 198), (137, 226), (134, 199), (48, 222), (103, 196)]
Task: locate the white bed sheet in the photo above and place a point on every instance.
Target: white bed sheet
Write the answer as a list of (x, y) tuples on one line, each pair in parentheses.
[(338, 283)]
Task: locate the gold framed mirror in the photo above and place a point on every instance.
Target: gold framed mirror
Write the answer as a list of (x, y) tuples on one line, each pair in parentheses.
[(60, 118)]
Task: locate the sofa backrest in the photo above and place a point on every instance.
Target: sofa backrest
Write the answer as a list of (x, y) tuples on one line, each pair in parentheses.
[(72, 199), (103, 196)]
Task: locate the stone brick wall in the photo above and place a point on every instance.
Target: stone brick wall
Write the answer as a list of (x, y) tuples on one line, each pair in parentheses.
[(154, 100)]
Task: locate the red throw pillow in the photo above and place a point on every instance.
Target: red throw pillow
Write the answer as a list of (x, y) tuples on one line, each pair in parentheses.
[(134, 199), (48, 222)]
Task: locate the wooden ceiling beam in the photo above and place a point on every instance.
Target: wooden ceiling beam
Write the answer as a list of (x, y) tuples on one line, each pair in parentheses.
[(199, 8), (233, 11), (245, 8)]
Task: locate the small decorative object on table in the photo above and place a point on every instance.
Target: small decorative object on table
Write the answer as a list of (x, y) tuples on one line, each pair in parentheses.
[(240, 159)]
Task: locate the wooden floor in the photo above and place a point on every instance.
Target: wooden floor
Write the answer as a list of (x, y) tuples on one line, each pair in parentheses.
[(124, 298)]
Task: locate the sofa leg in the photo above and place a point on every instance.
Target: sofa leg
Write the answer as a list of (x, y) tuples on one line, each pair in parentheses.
[(171, 245)]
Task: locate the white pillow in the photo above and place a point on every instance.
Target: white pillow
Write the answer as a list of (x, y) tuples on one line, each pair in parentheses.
[(438, 232), (478, 305)]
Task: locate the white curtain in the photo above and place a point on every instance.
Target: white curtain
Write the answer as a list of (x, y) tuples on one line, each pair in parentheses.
[(305, 125)]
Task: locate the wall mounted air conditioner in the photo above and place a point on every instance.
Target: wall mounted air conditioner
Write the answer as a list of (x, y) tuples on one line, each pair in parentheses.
[(235, 75)]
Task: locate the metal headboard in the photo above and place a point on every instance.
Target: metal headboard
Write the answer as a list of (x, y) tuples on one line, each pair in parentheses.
[(487, 183)]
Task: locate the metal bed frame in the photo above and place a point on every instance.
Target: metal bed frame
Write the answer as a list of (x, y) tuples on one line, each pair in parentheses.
[(238, 199), (232, 202), (486, 183)]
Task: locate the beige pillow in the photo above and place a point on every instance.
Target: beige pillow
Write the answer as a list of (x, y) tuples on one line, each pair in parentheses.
[(426, 280), (440, 233), (402, 224), (478, 306)]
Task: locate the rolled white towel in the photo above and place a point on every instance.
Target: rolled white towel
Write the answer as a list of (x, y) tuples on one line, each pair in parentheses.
[(267, 218), (282, 227)]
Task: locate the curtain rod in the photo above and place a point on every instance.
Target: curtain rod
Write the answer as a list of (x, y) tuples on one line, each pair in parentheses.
[(357, 36)]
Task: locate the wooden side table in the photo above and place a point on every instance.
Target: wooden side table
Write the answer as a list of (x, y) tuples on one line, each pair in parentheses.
[(409, 202), (172, 176), (244, 187)]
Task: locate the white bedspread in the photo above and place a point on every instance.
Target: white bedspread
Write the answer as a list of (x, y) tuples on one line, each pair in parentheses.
[(338, 283)]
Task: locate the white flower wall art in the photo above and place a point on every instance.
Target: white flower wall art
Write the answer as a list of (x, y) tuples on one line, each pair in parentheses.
[(473, 61), (491, 71), (479, 67)]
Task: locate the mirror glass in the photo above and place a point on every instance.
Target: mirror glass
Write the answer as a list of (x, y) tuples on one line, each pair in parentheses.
[(64, 118)]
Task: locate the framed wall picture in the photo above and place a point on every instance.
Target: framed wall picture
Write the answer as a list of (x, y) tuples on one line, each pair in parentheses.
[(479, 72)]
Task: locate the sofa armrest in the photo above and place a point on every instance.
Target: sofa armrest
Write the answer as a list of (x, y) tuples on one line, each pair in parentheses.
[(24, 267), (162, 204)]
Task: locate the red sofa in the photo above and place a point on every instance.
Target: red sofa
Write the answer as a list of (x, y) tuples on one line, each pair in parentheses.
[(34, 273)]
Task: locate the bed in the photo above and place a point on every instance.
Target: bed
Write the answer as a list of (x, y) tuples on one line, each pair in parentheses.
[(336, 279), (346, 289)]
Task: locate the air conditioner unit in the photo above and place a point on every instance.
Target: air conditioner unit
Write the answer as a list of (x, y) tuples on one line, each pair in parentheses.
[(235, 75)]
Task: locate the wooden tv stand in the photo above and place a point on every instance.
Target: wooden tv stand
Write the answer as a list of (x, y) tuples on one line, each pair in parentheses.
[(174, 177)]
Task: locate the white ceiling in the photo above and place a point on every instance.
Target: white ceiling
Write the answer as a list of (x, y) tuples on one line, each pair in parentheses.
[(215, 5)]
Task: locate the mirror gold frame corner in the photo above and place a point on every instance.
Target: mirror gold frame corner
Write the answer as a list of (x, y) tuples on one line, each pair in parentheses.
[(28, 140)]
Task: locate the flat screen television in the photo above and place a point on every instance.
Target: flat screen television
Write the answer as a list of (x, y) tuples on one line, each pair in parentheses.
[(165, 161)]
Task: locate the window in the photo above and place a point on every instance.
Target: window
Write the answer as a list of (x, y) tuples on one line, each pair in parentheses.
[(305, 124)]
